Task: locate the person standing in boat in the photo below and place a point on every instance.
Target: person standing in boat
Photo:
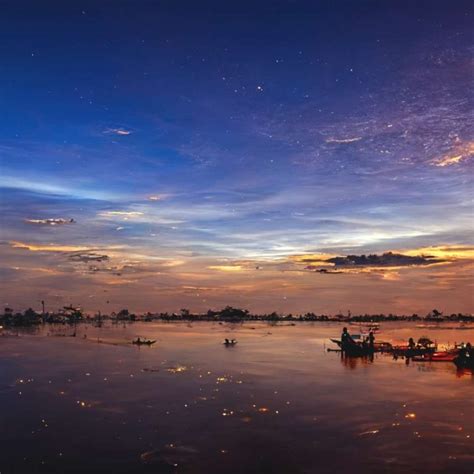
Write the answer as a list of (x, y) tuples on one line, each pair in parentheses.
[(371, 340), (346, 337)]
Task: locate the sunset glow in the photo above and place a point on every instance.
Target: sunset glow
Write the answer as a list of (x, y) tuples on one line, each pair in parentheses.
[(183, 161)]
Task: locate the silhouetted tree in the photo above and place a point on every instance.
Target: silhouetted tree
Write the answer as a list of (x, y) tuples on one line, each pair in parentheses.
[(233, 313)]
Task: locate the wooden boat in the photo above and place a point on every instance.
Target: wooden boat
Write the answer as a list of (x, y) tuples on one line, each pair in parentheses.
[(353, 349), (230, 343), (378, 346), (423, 346), (140, 342), (405, 351), (440, 356), (464, 361)]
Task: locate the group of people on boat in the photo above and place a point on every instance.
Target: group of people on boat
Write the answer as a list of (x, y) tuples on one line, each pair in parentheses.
[(229, 342), (347, 342), (422, 350)]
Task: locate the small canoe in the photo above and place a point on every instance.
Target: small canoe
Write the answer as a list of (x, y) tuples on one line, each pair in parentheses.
[(143, 343)]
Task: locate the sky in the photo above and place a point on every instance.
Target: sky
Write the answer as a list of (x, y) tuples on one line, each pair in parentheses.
[(158, 155)]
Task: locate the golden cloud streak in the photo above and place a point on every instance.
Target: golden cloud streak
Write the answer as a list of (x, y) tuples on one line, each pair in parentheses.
[(58, 248), (226, 268), (312, 258), (446, 252), (49, 248), (462, 153)]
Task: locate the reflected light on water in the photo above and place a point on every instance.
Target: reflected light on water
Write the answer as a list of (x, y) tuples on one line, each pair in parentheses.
[(277, 403)]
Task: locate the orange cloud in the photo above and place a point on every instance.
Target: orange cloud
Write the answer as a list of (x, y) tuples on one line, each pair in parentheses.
[(226, 268), (57, 247), (445, 252), (460, 153), (48, 248)]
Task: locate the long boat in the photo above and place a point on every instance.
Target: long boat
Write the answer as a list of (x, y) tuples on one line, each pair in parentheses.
[(143, 343), (407, 351), (378, 346), (352, 349), (439, 356)]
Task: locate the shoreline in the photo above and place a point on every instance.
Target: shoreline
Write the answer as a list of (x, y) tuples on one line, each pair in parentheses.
[(14, 322)]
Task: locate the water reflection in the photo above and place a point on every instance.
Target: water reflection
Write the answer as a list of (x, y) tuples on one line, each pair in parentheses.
[(275, 403), (354, 362)]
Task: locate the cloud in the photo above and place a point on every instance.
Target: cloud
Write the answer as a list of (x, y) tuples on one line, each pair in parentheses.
[(388, 259), (88, 257), (124, 214), (118, 131), (43, 185), (226, 268), (343, 140), (50, 222), (157, 197), (459, 153), (446, 252), (323, 270), (47, 248)]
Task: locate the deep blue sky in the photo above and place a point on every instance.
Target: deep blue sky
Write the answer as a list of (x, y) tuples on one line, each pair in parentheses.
[(264, 130)]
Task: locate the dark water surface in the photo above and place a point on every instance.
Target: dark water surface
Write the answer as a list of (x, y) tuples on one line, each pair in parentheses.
[(277, 402)]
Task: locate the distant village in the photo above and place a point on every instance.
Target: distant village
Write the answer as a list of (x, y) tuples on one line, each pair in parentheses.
[(74, 315)]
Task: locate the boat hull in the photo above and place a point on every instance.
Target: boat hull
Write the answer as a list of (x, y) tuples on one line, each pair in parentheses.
[(437, 357), (463, 362)]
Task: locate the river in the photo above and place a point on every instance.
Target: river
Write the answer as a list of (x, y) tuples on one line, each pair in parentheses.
[(276, 402)]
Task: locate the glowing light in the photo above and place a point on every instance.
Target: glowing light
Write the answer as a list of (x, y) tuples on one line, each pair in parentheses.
[(177, 370)]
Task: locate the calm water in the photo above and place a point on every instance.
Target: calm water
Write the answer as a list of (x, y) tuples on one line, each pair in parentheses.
[(277, 402)]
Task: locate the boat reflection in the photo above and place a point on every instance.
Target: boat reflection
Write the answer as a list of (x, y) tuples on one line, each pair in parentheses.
[(354, 362)]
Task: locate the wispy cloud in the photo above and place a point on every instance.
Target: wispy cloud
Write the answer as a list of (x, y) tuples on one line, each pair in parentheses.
[(46, 185), (118, 131), (50, 221), (157, 197), (226, 268), (48, 248), (124, 214), (88, 257), (343, 140), (459, 154), (387, 259)]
